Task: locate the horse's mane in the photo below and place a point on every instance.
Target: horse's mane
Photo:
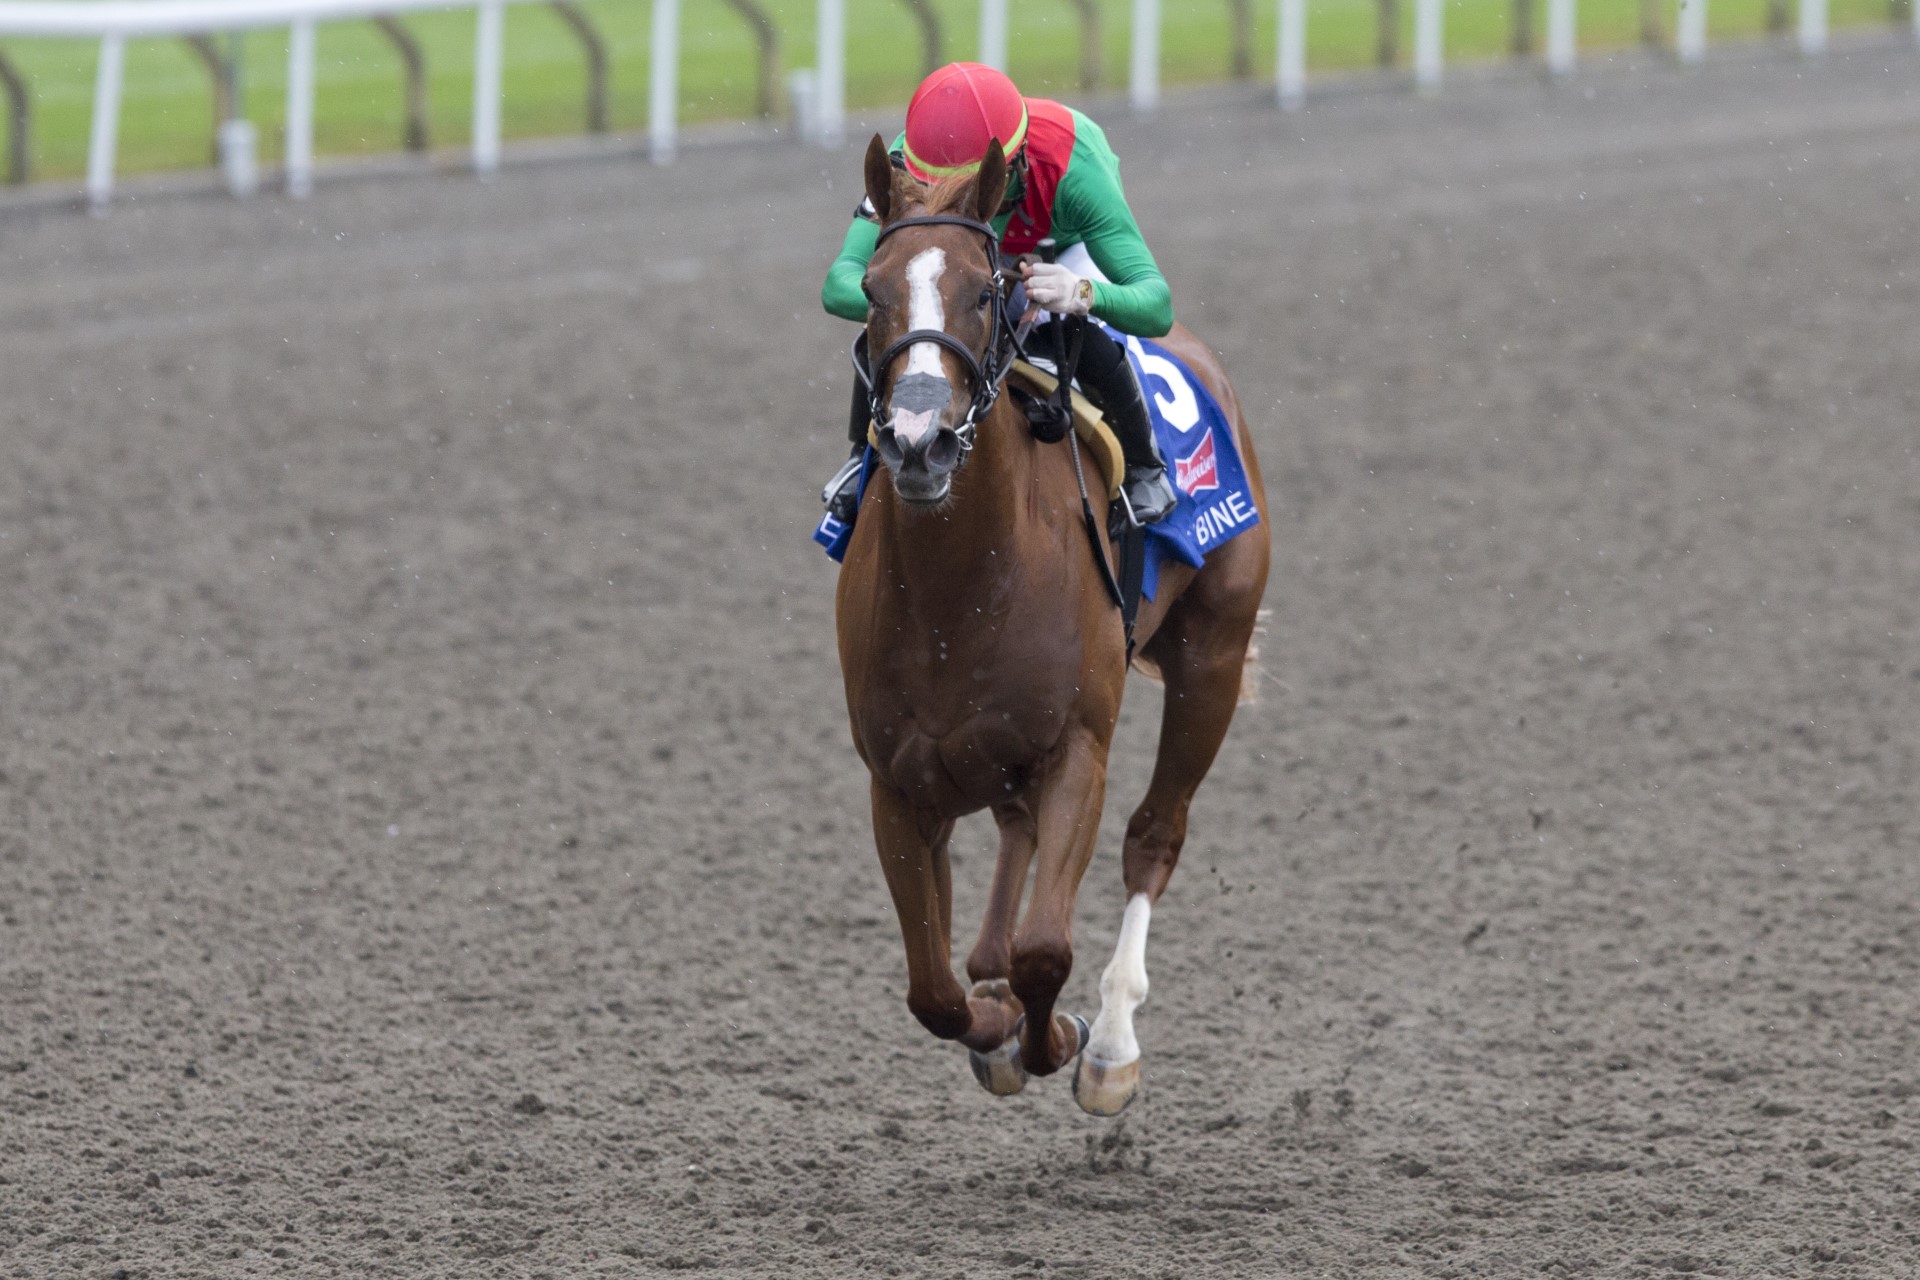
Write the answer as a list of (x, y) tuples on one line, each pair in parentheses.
[(948, 195)]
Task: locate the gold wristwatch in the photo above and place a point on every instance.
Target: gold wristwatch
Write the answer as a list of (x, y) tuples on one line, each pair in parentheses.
[(1083, 294)]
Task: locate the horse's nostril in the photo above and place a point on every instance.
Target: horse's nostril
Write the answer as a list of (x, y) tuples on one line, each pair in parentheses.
[(944, 451)]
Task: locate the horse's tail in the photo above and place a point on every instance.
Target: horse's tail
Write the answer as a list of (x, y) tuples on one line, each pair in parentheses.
[(1249, 668)]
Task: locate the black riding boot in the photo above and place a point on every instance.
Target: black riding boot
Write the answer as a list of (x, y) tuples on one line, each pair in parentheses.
[(1107, 374), (842, 494)]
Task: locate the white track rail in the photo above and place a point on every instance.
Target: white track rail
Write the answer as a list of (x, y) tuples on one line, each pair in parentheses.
[(114, 22)]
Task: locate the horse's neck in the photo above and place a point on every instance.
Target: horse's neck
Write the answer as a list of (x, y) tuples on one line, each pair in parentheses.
[(977, 537)]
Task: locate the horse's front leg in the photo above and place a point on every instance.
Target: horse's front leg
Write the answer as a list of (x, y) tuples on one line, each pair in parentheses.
[(913, 857), (992, 955), (1067, 824)]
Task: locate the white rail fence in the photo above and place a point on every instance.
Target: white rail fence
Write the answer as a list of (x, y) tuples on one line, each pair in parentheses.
[(821, 92)]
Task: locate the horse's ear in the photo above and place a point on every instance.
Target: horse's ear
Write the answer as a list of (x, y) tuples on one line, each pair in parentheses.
[(991, 186), (879, 178)]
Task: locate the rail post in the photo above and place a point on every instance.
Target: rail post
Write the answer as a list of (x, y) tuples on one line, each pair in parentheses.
[(595, 48), (1144, 91), (1428, 44), (1240, 56), (663, 94), (19, 122), (414, 63), (1560, 37), (487, 42), (106, 120), (766, 39), (930, 36), (830, 61), (236, 143), (1690, 31), (300, 110), (1092, 53), (1291, 59), (1523, 34), (1813, 27), (221, 73), (993, 34)]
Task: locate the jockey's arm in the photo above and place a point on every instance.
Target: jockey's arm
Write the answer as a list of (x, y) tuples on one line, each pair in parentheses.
[(1134, 298), (842, 295)]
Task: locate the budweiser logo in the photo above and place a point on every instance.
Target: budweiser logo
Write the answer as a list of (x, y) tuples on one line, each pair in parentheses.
[(1198, 470)]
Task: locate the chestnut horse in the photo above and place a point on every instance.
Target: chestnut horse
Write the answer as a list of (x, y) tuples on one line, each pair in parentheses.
[(984, 659)]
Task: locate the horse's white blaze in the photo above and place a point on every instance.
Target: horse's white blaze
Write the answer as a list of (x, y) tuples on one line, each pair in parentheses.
[(1122, 987), (925, 310)]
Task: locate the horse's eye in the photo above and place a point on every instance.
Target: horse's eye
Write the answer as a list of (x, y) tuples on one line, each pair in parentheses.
[(866, 292), (986, 296)]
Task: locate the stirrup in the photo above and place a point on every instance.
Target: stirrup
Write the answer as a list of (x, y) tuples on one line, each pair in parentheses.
[(1154, 478), (842, 493)]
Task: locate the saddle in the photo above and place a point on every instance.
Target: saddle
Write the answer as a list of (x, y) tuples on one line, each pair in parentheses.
[(1096, 437)]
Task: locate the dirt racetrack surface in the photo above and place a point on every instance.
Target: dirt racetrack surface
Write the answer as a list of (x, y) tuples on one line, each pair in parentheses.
[(432, 845)]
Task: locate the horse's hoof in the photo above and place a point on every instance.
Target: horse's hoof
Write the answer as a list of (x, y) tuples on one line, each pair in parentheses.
[(1082, 1032), (1000, 1071), (992, 989), (1105, 1088)]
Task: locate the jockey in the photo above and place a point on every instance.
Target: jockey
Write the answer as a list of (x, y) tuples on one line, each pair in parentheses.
[(1063, 180)]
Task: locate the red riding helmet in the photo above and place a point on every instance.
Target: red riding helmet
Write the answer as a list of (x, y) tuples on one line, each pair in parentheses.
[(955, 113)]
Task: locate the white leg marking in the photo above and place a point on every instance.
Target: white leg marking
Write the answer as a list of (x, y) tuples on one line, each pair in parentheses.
[(1122, 987)]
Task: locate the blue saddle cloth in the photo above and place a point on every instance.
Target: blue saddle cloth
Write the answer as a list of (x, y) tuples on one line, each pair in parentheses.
[(1197, 441)]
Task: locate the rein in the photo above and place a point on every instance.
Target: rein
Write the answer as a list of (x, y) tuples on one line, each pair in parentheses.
[(989, 372)]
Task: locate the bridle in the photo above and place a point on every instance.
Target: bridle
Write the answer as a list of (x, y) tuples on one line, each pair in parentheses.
[(989, 372)]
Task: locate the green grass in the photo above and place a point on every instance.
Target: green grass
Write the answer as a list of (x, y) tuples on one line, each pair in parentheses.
[(167, 119)]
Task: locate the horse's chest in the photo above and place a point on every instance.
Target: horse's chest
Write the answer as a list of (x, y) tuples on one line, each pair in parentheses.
[(959, 748)]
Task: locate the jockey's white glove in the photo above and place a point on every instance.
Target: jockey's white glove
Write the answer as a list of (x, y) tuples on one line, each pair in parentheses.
[(1051, 287)]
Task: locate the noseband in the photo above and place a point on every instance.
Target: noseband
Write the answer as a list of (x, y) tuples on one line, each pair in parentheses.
[(988, 372)]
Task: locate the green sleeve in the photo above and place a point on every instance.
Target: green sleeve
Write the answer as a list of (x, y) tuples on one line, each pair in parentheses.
[(1089, 205), (841, 295)]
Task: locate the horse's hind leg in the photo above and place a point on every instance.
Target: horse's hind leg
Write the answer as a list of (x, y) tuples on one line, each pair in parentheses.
[(1201, 651), (992, 955)]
